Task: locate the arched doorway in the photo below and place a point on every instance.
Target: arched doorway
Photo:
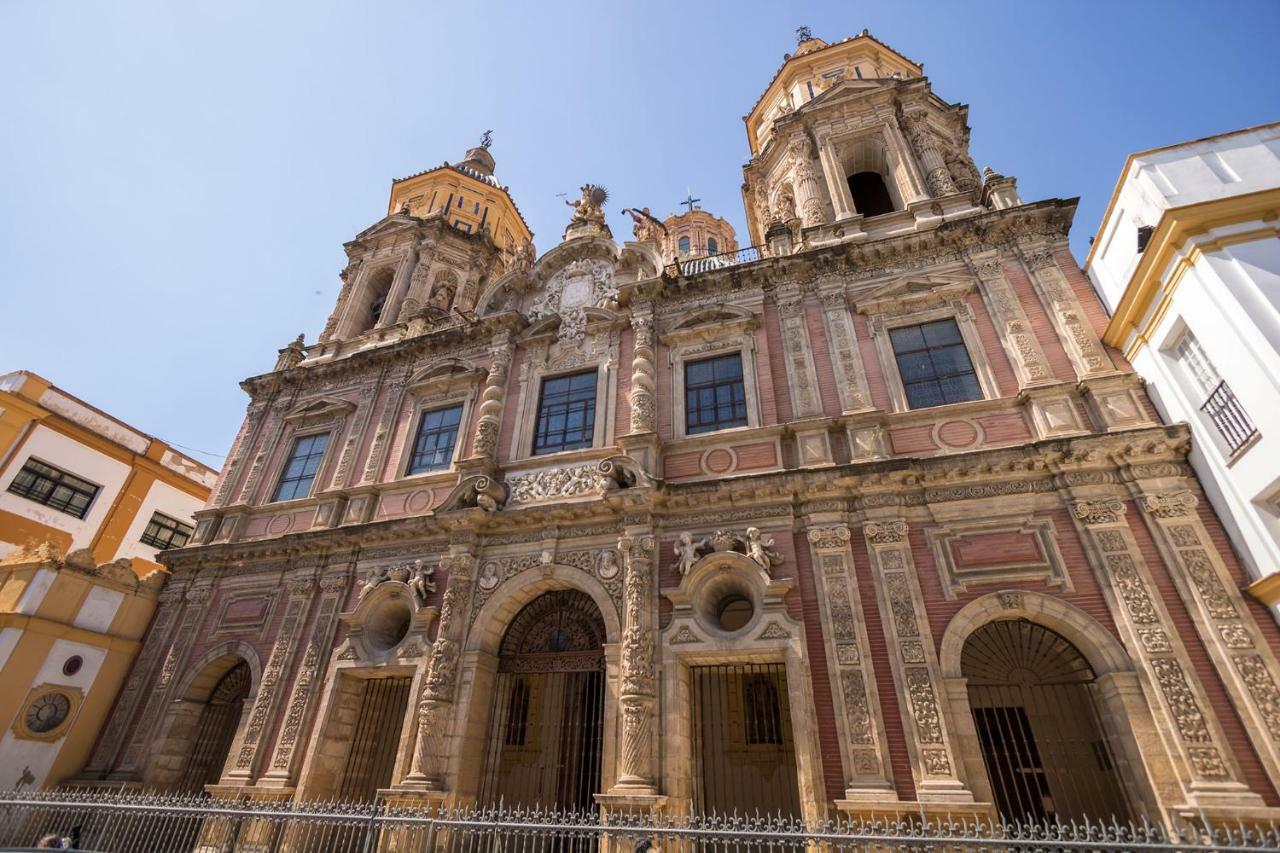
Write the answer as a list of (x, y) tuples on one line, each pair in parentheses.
[(1046, 754), (545, 732), (216, 729)]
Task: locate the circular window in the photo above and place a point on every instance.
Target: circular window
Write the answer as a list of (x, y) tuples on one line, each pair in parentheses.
[(389, 624), (734, 612), (48, 712), (72, 665)]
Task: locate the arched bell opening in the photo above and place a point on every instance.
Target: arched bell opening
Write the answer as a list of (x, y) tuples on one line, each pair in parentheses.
[(1033, 696), (216, 725), (869, 175), (545, 735)]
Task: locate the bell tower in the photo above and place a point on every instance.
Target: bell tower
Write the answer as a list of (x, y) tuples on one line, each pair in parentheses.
[(848, 140)]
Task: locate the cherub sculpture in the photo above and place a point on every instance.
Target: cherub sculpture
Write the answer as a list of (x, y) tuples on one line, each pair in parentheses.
[(421, 582), (760, 549), (686, 551), (376, 575)]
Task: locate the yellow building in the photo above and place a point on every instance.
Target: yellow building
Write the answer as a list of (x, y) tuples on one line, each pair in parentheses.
[(86, 503)]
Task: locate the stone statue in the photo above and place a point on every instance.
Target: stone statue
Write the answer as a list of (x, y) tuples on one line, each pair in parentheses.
[(520, 257), (760, 549), (486, 502), (421, 582), (442, 295), (686, 551), (648, 228), (607, 567), (589, 208), (376, 575)]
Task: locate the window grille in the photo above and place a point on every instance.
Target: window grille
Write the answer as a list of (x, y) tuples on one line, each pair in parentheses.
[(54, 488), (566, 413), (165, 532), (934, 365), (300, 471), (715, 396), (437, 435)]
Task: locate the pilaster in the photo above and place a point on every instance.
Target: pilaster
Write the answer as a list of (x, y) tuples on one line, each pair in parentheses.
[(638, 694), (1087, 354), (1029, 362), (859, 722), (1243, 657), (1191, 732), (802, 375), (846, 360), (914, 662)]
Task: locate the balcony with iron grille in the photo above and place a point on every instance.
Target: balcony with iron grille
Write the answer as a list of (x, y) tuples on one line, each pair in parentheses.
[(1230, 418), (691, 265)]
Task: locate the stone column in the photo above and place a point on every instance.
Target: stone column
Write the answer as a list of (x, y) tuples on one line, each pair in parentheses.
[(801, 374), (644, 414), (916, 126), (197, 596), (837, 181), (637, 697), (158, 640), (416, 292), (914, 663), (348, 276), (307, 681), (1240, 651), (493, 397), (846, 361), (853, 683), (400, 284), (805, 181), (1011, 321), (914, 190), (386, 422), (440, 682), (1190, 730), (301, 586), (1088, 355), (268, 438)]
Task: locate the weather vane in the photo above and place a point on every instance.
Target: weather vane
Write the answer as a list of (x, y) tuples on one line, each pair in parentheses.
[(486, 139), (803, 34), (691, 201)]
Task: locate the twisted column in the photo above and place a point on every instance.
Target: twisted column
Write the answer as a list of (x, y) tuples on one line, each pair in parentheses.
[(637, 697), (493, 397), (435, 707), (643, 373)]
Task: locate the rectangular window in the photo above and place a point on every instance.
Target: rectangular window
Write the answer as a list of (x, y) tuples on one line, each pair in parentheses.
[(715, 396), (165, 532), (1196, 364), (300, 471), (566, 413), (437, 434), (54, 488), (934, 364)]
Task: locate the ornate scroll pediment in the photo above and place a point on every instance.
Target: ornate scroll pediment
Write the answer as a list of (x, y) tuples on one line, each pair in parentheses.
[(713, 322), (443, 376)]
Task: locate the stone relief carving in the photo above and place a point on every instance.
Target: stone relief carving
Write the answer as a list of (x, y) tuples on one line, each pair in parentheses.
[(574, 481), (417, 575), (1098, 512), (885, 532)]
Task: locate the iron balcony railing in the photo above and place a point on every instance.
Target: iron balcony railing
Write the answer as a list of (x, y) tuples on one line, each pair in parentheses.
[(1229, 417), (118, 821), (706, 263)]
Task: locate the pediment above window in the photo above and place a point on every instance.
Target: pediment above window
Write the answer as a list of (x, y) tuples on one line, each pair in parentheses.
[(913, 293), (445, 375), (320, 409), (711, 323)]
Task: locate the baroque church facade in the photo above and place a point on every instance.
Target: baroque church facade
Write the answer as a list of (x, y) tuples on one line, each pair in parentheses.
[(863, 519)]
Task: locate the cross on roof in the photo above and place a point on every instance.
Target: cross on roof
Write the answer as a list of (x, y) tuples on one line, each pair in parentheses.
[(691, 201)]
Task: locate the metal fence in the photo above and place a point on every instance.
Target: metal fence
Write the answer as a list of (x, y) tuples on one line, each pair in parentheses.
[(103, 821), (707, 263), (1229, 417)]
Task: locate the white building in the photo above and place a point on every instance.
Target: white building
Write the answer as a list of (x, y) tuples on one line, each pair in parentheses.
[(1187, 259)]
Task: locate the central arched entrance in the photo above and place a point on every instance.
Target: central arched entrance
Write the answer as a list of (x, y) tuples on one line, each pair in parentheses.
[(545, 731), (1046, 753), (216, 729)]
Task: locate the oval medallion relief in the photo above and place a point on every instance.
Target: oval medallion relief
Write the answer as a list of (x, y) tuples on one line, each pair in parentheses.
[(956, 434)]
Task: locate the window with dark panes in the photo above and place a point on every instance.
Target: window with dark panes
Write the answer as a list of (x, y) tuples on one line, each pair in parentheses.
[(437, 434), (683, 243), (300, 471), (566, 413), (54, 488), (934, 365), (715, 396), (165, 532)]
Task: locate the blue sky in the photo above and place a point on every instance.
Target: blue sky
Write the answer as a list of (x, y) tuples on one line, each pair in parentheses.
[(177, 179)]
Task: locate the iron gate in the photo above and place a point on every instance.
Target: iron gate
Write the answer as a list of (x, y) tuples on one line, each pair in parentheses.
[(1046, 752), (744, 752)]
